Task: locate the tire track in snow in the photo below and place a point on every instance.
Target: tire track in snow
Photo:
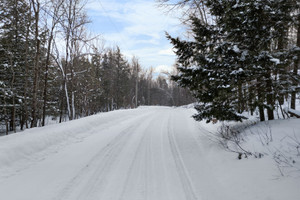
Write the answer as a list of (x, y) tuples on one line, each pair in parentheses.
[(146, 177), (141, 154), (55, 147), (103, 159), (163, 130), (182, 171)]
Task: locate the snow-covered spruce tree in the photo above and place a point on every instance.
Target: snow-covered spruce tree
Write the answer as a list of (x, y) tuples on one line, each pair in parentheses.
[(210, 67), (261, 28), (106, 80), (240, 62), (121, 85)]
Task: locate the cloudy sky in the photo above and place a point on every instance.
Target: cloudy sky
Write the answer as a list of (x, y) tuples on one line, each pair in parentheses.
[(137, 27)]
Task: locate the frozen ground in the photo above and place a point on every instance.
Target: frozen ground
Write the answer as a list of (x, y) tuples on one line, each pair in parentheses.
[(150, 153)]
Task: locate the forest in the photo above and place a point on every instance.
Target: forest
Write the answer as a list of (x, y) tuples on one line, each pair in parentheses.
[(236, 56), (241, 56), (53, 68)]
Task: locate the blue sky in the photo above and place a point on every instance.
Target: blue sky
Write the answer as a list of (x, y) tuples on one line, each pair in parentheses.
[(137, 27)]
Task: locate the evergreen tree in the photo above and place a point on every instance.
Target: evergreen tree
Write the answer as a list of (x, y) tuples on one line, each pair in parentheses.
[(15, 49), (240, 59)]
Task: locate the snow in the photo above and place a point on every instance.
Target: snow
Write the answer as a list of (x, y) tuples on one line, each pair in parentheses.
[(236, 49), (297, 112), (154, 153), (234, 72), (261, 178), (275, 60)]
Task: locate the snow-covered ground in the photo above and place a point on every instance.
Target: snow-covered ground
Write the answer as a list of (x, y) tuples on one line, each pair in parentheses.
[(153, 153)]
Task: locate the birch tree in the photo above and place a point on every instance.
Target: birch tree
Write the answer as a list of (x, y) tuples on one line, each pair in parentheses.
[(74, 21)]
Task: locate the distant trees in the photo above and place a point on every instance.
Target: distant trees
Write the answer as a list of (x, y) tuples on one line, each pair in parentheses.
[(50, 68), (125, 84), (243, 61)]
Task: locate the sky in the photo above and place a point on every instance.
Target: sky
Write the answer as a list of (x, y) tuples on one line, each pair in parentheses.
[(138, 27)]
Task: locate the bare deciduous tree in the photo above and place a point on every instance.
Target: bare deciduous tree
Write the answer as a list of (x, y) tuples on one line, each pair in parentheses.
[(74, 21), (189, 8), (55, 15)]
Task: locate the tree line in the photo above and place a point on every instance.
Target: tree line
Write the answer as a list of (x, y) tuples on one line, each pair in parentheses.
[(242, 56), (50, 66)]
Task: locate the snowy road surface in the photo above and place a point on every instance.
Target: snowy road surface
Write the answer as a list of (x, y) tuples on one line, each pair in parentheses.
[(142, 154), (151, 154)]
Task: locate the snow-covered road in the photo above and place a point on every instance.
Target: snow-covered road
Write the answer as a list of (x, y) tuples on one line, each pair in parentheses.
[(150, 153)]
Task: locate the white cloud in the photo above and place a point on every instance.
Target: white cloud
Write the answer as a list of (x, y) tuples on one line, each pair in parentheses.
[(138, 28), (167, 52), (138, 17), (163, 69), (149, 57)]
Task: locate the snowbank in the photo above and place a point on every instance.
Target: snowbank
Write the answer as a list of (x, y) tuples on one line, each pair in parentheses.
[(294, 112), (19, 150), (276, 175), (279, 140)]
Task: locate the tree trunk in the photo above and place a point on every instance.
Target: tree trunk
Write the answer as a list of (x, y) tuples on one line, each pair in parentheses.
[(260, 100), (261, 113), (5, 116), (12, 123), (62, 95), (36, 7), (240, 99), (295, 70), (46, 76), (270, 100), (136, 92), (25, 104)]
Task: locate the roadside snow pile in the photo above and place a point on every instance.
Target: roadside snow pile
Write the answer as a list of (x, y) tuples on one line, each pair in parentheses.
[(278, 140), (189, 106), (272, 171), (21, 149), (293, 112)]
